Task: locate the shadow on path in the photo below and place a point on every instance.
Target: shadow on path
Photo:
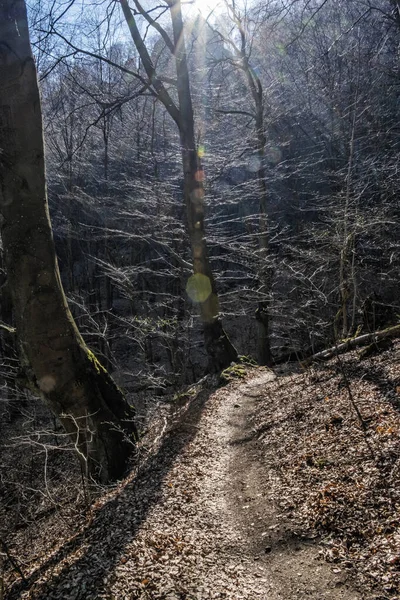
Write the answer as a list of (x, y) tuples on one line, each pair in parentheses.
[(93, 554)]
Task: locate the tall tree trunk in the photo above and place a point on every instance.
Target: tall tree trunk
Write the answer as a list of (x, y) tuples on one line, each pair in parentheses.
[(220, 350), (346, 259), (265, 270), (56, 360), (201, 285)]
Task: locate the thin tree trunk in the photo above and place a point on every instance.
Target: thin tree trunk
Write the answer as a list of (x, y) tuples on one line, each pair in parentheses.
[(265, 272), (56, 360), (345, 267), (220, 350)]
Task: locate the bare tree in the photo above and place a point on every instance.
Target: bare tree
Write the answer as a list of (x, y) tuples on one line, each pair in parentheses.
[(239, 56), (175, 95), (201, 286), (56, 361)]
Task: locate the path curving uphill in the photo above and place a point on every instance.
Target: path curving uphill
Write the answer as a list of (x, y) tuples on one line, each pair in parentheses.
[(197, 523)]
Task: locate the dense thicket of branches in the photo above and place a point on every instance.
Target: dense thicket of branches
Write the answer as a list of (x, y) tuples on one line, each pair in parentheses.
[(296, 126), (296, 120)]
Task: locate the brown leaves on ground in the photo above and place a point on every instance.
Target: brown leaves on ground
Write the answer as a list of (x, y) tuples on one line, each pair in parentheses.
[(337, 476), (168, 532)]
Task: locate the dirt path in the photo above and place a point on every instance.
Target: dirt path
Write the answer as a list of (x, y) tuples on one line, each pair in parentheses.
[(288, 565), (196, 524)]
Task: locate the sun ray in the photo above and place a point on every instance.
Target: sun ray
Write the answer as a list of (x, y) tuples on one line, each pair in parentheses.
[(207, 8)]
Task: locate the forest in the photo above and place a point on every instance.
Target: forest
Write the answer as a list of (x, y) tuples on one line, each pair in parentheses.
[(194, 194)]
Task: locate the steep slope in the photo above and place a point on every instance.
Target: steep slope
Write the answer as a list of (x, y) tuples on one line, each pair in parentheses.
[(246, 492)]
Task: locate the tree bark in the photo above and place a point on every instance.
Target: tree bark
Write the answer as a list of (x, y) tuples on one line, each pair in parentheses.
[(201, 286), (219, 349), (56, 361)]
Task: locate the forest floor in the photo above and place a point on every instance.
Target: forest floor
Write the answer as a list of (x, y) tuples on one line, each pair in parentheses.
[(280, 485)]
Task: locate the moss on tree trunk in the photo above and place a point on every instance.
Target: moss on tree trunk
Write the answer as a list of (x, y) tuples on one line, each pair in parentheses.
[(54, 356)]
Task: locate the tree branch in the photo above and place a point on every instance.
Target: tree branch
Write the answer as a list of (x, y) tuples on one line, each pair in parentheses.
[(235, 112), (168, 42), (148, 65)]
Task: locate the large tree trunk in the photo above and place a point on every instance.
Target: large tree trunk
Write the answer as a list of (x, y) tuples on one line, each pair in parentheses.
[(56, 361), (201, 286)]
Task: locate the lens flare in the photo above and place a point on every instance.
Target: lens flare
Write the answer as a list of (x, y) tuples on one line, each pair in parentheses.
[(198, 287)]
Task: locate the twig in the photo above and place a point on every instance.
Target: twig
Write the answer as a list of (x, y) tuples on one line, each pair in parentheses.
[(12, 560), (7, 327), (354, 404)]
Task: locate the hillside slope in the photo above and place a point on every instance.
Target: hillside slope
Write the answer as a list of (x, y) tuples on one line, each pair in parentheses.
[(268, 488)]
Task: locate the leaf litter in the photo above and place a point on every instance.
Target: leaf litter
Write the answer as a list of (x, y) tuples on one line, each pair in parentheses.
[(249, 492)]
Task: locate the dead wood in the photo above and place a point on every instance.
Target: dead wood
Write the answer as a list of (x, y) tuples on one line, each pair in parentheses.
[(350, 344)]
